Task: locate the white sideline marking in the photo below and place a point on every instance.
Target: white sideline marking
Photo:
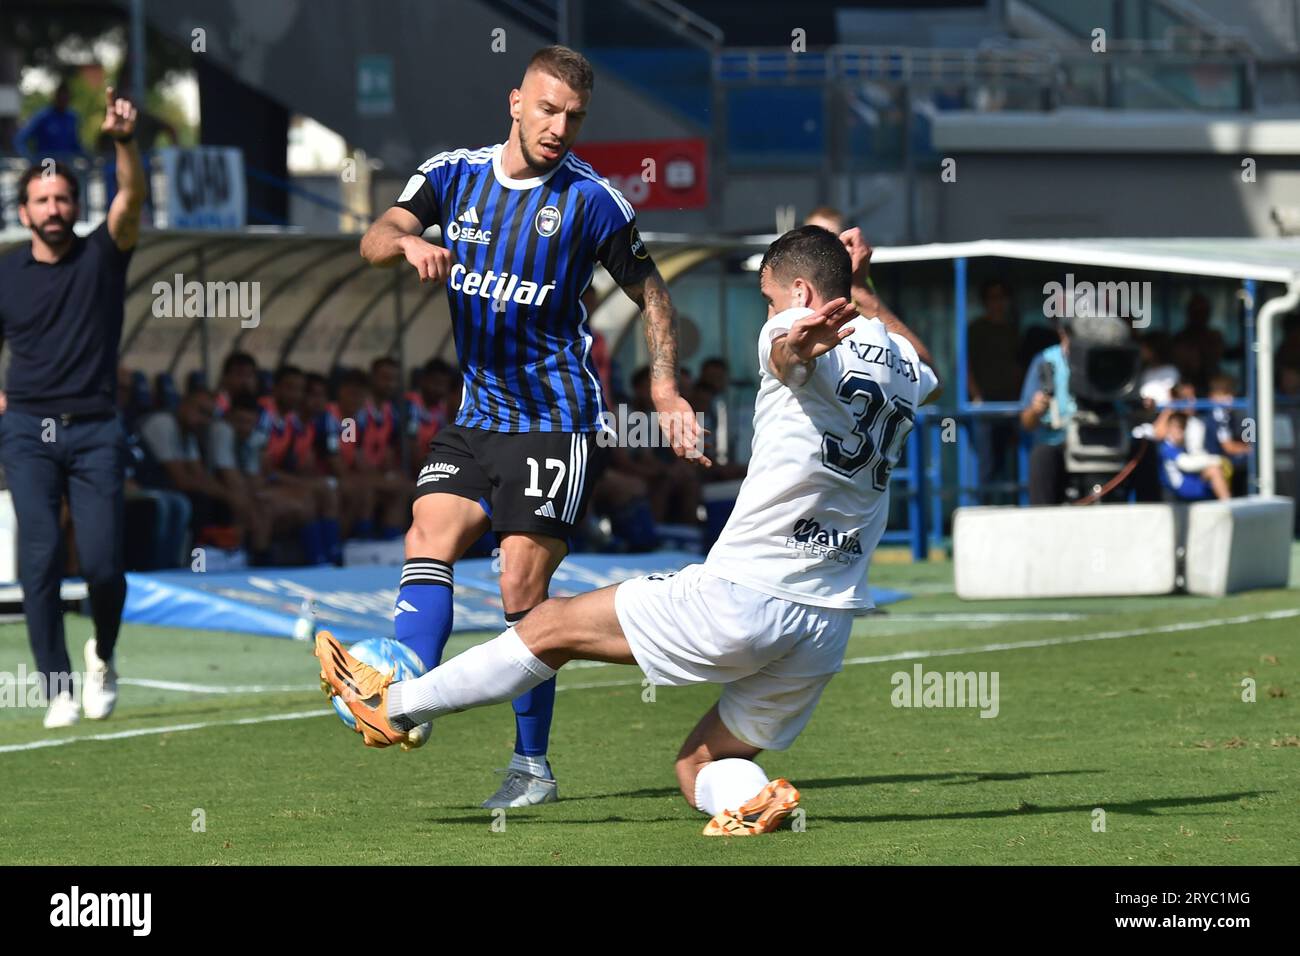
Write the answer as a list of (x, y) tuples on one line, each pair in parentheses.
[(965, 617), (1080, 638), (852, 661), (212, 688), (173, 729)]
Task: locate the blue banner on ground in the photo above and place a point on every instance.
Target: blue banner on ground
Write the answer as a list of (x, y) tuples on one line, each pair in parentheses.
[(356, 603)]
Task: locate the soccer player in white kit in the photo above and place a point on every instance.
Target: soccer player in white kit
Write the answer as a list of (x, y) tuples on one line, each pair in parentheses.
[(768, 613)]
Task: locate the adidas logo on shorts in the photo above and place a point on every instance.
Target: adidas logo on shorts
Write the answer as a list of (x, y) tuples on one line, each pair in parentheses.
[(546, 511)]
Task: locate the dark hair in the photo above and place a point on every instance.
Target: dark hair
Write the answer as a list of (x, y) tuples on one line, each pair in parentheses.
[(244, 402), (988, 285), (237, 358), (380, 362), (716, 361), (1222, 383), (316, 378), (354, 378), (813, 254), (284, 371), (564, 64), (197, 390), (436, 366), (57, 169), (1179, 419)]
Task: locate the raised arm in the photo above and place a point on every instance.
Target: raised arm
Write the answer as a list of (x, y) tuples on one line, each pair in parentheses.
[(795, 350), (124, 213), (676, 416), (869, 304)]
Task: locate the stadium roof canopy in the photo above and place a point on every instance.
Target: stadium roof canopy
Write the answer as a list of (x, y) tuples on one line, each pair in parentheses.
[(321, 305)]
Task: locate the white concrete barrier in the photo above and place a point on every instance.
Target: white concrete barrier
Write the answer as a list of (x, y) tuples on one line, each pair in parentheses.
[(8, 538), (1238, 545), (1064, 551)]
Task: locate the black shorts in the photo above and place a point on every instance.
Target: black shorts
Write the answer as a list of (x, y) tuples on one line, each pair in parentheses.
[(531, 482)]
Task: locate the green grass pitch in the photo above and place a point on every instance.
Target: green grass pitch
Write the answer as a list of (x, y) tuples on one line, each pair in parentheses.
[(1131, 706)]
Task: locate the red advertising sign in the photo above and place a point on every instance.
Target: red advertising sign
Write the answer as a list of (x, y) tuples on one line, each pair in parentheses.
[(654, 174)]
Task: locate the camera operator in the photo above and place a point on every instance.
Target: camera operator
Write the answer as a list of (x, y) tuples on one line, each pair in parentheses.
[(1048, 404)]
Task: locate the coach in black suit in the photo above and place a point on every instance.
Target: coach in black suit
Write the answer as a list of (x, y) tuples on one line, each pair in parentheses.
[(61, 316)]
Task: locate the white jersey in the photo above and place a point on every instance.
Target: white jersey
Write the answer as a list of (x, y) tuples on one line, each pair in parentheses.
[(815, 502)]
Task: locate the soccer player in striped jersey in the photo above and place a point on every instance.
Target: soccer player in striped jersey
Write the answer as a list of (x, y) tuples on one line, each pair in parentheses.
[(524, 224)]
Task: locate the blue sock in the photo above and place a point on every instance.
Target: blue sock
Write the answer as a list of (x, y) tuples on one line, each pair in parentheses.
[(422, 618), (533, 711), (331, 540), (310, 536)]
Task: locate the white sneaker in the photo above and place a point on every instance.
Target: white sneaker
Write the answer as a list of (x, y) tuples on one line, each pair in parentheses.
[(522, 790), (99, 688), (62, 711)]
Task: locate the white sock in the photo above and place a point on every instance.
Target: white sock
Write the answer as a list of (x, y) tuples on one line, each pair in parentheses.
[(490, 673), (726, 784), (536, 766)]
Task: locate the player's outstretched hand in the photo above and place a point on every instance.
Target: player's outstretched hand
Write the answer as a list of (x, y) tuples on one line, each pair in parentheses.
[(817, 334), (859, 254), (119, 116), (433, 263), (678, 422)]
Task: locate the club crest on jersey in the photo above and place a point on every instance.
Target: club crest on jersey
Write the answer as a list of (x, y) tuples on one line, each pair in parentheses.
[(815, 539), (466, 229), (547, 221)]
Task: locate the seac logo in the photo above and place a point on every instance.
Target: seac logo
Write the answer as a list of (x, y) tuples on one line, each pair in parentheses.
[(547, 221), (470, 231)]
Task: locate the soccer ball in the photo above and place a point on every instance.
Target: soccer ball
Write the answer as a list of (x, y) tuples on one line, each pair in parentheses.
[(390, 657)]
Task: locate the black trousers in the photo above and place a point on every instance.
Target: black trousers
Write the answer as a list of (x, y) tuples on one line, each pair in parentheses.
[(85, 460)]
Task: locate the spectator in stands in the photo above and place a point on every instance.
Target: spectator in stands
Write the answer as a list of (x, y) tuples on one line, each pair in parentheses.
[(166, 512), (235, 448), (1198, 348), (710, 391), (238, 374), (828, 217), (994, 374), (173, 466), (53, 132), (1287, 356), (1224, 430), (367, 458), (1159, 374), (1189, 476), (287, 464), (427, 408)]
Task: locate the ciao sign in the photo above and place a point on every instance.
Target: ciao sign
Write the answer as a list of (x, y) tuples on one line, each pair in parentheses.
[(205, 187)]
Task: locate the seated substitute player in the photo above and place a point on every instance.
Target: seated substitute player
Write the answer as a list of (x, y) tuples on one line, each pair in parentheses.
[(524, 224), (768, 613)]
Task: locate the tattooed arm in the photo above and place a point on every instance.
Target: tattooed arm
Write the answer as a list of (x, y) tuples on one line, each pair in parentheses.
[(676, 416)]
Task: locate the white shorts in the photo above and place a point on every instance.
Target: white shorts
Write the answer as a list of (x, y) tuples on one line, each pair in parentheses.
[(772, 656)]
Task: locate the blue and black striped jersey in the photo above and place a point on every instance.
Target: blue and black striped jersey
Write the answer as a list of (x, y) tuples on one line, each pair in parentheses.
[(524, 251)]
